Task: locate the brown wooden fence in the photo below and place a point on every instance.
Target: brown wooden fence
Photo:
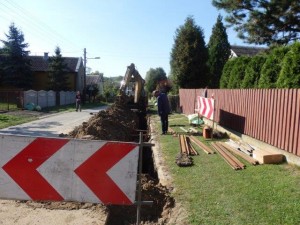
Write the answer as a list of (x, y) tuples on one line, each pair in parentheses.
[(11, 100), (269, 115)]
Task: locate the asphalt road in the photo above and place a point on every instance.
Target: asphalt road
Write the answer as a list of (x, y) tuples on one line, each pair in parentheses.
[(53, 125)]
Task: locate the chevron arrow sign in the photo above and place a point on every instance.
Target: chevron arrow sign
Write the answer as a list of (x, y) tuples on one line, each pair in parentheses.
[(205, 107), (36, 168)]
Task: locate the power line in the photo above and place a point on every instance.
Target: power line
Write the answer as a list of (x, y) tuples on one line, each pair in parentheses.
[(40, 28), (27, 22)]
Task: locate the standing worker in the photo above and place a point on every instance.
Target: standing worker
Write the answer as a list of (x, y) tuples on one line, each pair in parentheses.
[(78, 101), (163, 109)]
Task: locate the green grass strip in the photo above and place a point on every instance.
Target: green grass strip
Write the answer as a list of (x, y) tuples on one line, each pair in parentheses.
[(214, 193)]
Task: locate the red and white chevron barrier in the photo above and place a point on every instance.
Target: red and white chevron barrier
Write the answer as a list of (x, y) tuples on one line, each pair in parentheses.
[(205, 107), (36, 168)]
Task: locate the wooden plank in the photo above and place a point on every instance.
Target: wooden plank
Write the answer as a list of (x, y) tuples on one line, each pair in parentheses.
[(261, 115), (283, 121), (184, 130), (250, 120), (230, 162), (296, 143), (277, 110), (272, 116), (293, 118), (191, 147), (289, 125), (267, 157), (171, 130), (231, 156), (182, 144), (204, 147), (265, 115), (241, 154), (280, 121), (191, 129)]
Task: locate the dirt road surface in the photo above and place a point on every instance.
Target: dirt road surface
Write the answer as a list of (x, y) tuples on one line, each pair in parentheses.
[(33, 213)]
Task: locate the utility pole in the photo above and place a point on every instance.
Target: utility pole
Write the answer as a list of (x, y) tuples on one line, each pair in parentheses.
[(84, 75)]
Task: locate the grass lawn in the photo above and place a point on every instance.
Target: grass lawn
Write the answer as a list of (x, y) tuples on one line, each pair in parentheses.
[(11, 120), (214, 193)]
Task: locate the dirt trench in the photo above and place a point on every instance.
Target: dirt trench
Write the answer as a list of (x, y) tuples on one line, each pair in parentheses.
[(121, 123)]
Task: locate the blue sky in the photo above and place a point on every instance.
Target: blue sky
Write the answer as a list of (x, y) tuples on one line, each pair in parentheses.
[(121, 32)]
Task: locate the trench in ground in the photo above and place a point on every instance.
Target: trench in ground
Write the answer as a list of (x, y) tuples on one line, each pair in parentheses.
[(152, 190)]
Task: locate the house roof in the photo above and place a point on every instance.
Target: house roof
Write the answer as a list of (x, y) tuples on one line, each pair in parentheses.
[(39, 63), (94, 79), (237, 50)]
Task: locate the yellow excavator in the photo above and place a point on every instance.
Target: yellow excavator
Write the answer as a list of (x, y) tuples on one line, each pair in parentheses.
[(133, 95), (132, 84)]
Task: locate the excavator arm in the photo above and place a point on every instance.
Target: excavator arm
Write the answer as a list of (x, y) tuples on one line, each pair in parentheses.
[(132, 75)]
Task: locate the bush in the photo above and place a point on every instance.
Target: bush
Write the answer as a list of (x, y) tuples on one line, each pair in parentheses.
[(237, 73), (226, 73), (252, 72), (271, 68), (289, 76)]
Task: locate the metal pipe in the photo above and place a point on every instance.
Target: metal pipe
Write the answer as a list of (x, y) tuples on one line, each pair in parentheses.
[(139, 201)]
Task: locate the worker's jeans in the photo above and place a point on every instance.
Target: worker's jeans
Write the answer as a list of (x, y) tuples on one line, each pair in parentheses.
[(164, 123), (78, 106)]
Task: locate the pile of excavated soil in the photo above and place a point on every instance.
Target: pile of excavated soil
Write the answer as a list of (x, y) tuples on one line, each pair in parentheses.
[(118, 123)]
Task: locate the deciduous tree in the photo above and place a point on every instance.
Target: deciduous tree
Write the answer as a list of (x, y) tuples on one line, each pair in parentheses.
[(153, 77)]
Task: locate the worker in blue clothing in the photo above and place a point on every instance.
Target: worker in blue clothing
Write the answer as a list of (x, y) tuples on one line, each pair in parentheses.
[(163, 108)]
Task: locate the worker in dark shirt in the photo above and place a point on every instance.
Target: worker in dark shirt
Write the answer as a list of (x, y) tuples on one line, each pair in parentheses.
[(78, 101), (163, 108)]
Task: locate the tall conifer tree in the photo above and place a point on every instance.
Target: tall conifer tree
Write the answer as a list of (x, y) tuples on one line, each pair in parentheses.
[(58, 72), (189, 56), (15, 64), (218, 52)]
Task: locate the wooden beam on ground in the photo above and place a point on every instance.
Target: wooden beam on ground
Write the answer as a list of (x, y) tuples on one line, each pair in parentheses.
[(188, 152), (236, 160), (239, 153), (186, 131), (227, 159), (171, 130), (204, 147), (267, 157), (193, 130), (183, 145), (191, 147)]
